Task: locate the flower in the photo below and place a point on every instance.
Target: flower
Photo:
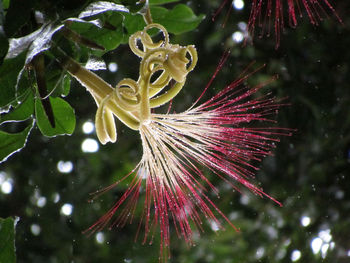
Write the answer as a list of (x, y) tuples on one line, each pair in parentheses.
[(263, 11), (271, 13), (217, 135), (175, 147)]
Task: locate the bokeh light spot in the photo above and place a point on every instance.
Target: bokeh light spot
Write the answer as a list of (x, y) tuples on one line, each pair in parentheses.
[(41, 202), (260, 252), (242, 26), (64, 167), (113, 67), (67, 209), (2, 177), (88, 127), (325, 235), (244, 199), (296, 255), (305, 221), (6, 187), (100, 237), (238, 4), (322, 243), (214, 226), (89, 146), (316, 244), (237, 37), (56, 197), (35, 229)]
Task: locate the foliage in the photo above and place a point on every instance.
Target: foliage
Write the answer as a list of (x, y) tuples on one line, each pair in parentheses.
[(7, 240)]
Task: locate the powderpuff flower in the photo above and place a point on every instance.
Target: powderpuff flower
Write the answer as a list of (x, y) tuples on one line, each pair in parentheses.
[(267, 14), (220, 135), (264, 13), (180, 150)]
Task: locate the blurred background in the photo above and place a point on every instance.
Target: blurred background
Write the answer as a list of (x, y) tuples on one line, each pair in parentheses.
[(48, 183)]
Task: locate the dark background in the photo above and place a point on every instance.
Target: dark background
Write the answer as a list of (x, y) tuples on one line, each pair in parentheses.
[(308, 173)]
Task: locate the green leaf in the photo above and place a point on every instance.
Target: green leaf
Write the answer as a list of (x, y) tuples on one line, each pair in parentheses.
[(161, 2), (57, 81), (24, 85), (8, 79), (133, 23), (64, 118), (6, 3), (35, 42), (101, 7), (13, 142), (7, 240), (178, 20), (21, 112), (66, 85), (109, 38)]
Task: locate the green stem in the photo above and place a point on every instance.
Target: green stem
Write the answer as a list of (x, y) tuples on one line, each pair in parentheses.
[(147, 15)]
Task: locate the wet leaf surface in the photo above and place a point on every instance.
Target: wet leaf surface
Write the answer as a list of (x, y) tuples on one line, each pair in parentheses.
[(102, 7), (13, 142), (178, 20), (63, 114), (7, 240)]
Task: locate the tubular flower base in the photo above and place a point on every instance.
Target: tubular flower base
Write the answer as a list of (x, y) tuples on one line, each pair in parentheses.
[(175, 146), (270, 13)]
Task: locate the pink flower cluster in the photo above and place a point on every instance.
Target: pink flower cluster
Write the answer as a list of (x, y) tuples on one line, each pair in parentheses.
[(267, 14)]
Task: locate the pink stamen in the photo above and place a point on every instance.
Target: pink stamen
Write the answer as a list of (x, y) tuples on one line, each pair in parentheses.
[(175, 147)]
